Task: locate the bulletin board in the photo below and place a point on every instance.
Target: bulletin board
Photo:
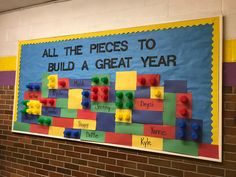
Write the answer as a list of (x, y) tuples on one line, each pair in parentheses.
[(155, 88)]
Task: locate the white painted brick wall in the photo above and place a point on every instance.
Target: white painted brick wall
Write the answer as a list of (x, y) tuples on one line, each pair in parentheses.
[(81, 16)]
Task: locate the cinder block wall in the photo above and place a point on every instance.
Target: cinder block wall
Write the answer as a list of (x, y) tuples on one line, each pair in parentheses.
[(23, 155)]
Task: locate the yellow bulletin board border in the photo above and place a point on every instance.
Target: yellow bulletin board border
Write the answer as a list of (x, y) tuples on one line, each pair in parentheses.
[(216, 71)]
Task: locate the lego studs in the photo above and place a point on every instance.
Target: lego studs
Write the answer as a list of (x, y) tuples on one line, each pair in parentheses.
[(44, 121), (99, 93), (86, 94), (123, 115), (72, 133), (100, 80), (124, 100), (62, 83), (142, 81), (48, 101), (95, 80), (33, 87), (52, 81), (33, 107)]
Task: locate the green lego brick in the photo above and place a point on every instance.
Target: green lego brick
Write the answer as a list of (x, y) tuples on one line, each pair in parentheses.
[(62, 102), (106, 107), (89, 135), (45, 120), (44, 88), (20, 126), (169, 114), (181, 147), (125, 99), (101, 79), (127, 128), (68, 113)]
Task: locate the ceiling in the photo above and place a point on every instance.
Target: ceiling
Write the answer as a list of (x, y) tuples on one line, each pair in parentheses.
[(10, 5)]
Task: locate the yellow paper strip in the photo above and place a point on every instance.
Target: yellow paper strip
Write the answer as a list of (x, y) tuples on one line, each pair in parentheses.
[(85, 124), (75, 99), (147, 142), (56, 131)]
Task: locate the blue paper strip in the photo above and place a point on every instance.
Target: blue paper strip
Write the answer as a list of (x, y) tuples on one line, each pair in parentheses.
[(61, 93), (105, 122), (175, 86), (51, 111), (147, 117), (142, 92), (29, 118), (80, 83)]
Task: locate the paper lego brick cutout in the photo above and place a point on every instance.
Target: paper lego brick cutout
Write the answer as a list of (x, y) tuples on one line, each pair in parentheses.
[(49, 102), (85, 124), (32, 95), (72, 133), (147, 117), (88, 135), (62, 93), (157, 92), (118, 138), (209, 150), (63, 83), (106, 107), (175, 86), (100, 93), (142, 92), (80, 83), (62, 102), (69, 113), (183, 105), (52, 81), (20, 126), (105, 122), (29, 118), (44, 88), (39, 129), (161, 131), (75, 99), (86, 114), (181, 147), (62, 122), (147, 142), (123, 115), (189, 129), (51, 111), (126, 80), (100, 80), (134, 128), (56, 131), (148, 104), (169, 116), (148, 80), (124, 99)]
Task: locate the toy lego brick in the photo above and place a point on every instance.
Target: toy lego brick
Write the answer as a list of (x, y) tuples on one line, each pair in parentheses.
[(169, 114), (29, 118), (100, 80), (80, 83), (51, 111), (147, 117), (56, 131), (34, 107), (123, 115), (175, 86), (68, 113), (161, 131), (84, 124), (134, 128), (118, 138), (49, 102), (209, 150), (86, 114), (157, 92), (100, 93), (142, 92), (148, 80), (52, 82), (62, 122), (189, 129), (72, 133), (147, 142), (75, 98), (184, 105), (45, 120), (61, 93), (63, 83), (126, 80), (148, 104), (20, 126), (105, 122), (181, 147), (32, 95), (106, 107), (34, 128), (95, 136), (125, 99), (62, 102)]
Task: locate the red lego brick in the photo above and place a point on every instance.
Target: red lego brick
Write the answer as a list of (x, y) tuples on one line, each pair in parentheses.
[(184, 105)]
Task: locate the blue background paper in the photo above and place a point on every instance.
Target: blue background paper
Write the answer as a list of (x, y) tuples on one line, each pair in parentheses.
[(191, 45)]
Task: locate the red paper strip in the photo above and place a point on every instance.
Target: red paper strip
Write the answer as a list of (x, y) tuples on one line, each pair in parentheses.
[(148, 104), (62, 122), (32, 95), (184, 105), (148, 80), (117, 138), (209, 150), (34, 128), (63, 83), (160, 131), (86, 114)]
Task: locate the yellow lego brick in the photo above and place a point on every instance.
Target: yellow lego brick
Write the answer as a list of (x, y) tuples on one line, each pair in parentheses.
[(126, 80), (157, 92), (52, 82), (34, 107), (56, 131), (123, 115)]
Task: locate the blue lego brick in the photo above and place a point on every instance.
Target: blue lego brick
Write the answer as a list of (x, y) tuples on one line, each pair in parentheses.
[(80, 83), (175, 86), (72, 133), (51, 111), (61, 93), (34, 86), (29, 118), (86, 99), (105, 122), (147, 117), (189, 129), (142, 92)]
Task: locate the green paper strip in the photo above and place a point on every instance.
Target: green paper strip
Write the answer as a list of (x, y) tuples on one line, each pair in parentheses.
[(68, 113), (169, 114), (126, 128), (62, 102), (20, 126), (180, 146), (106, 107), (44, 88), (88, 135), (100, 76)]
